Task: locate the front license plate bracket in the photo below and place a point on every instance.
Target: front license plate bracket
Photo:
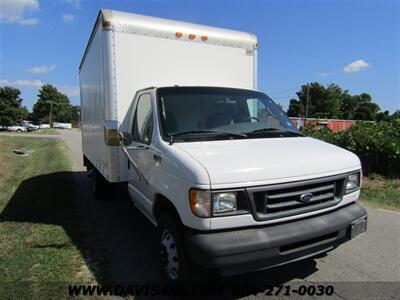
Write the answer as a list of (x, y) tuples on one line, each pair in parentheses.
[(358, 227)]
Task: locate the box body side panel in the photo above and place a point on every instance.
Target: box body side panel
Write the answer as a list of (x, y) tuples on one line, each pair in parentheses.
[(93, 103)]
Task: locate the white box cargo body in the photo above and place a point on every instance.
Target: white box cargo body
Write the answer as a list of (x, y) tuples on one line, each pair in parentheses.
[(128, 52)]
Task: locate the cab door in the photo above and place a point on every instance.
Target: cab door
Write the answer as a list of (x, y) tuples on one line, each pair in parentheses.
[(142, 153)]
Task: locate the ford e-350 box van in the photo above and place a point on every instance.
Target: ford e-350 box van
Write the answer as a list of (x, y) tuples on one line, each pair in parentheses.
[(172, 110)]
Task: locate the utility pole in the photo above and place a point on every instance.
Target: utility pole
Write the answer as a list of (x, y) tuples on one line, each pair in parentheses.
[(307, 100), (51, 113)]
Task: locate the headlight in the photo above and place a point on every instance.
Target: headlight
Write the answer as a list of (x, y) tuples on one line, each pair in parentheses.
[(353, 182), (200, 202), (224, 202)]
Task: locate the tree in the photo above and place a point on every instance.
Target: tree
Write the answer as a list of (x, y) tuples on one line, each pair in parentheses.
[(366, 111), (349, 106), (75, 114), (322, 102), (365, 98), (51, 104), (11, 109), (395, 115), (332, 102), (296, 108), (383, 116)]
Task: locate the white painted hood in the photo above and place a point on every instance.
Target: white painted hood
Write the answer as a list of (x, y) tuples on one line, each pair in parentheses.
[(269, 159)]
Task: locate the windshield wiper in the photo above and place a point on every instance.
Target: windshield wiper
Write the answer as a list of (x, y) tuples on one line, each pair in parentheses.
[(269, 129), (201, 131)]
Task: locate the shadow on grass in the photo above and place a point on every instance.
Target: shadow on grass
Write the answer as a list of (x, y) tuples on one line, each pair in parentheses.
[(51, 199), (118, 244), (46, 199)]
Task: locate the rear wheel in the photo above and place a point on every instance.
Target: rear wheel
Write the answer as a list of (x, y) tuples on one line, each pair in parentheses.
[(19, 130)]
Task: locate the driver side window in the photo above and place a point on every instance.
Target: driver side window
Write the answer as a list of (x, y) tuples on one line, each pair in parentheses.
[(143, 121), (258, 111)]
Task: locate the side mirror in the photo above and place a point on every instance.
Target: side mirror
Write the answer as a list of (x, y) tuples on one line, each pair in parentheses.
[(111, 133), (126, 138)]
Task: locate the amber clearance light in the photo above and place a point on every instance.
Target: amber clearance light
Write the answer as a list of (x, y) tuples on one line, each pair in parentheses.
[(200, 202), (106, 23)]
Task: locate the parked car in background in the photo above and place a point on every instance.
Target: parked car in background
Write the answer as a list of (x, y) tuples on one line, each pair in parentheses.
[(17, 128), (32, 127), (62, 125), (44, 126)]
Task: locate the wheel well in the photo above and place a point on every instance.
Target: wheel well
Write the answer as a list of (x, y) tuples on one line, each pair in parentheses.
[(163, 205)]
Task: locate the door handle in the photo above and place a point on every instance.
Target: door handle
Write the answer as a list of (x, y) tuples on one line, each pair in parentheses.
[(142, 147), (138, 147), (157, 159)]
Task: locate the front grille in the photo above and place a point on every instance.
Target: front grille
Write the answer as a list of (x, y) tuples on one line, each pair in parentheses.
[(283, 200), (288, 199)]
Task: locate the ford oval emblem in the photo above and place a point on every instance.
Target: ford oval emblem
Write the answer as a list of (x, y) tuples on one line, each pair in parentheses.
[(305, 198)]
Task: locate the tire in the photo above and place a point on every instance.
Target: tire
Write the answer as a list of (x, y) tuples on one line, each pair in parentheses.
[(176, 268), (19, 130), (102, 189)]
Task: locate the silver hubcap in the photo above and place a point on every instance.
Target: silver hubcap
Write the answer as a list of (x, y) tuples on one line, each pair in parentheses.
[(169, 255)]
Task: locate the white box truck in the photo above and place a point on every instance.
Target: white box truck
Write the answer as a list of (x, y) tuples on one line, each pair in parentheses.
[(171, 109)]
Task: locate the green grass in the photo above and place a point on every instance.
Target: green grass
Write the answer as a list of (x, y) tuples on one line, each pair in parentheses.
[(381, 192), (40, 226), (51, 131)]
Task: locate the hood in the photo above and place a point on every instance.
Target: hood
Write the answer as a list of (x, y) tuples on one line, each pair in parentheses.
[(268, 159)]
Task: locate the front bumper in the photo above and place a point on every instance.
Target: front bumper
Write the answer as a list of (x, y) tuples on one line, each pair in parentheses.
[(248, 249)]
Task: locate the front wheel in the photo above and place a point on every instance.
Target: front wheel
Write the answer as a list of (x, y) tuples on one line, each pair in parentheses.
[(175, 264)]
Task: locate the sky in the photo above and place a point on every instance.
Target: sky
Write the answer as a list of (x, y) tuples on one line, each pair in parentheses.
[(355, 44)]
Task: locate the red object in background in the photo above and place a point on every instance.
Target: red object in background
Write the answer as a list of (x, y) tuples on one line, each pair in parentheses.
[(333, 124), (339, 125)]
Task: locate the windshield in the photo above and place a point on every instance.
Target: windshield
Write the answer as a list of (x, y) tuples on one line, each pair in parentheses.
[(195, 112)]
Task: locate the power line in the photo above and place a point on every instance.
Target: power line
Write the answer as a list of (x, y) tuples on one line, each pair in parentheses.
[(285, 90), (285, 97)]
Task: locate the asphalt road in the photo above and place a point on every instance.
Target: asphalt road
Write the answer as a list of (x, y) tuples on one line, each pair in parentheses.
[(367, 267)]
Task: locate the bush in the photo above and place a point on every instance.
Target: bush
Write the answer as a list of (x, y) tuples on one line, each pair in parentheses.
[(376, 144)]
